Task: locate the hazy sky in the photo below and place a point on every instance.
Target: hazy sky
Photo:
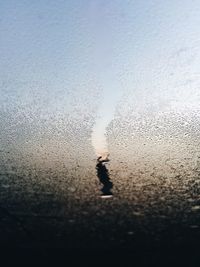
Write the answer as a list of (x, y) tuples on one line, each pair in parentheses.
[(43, 38), (124, 47)]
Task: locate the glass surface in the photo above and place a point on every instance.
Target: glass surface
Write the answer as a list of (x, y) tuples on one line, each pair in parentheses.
[(99, 121)]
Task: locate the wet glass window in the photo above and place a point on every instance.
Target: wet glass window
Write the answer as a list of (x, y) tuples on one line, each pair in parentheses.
[(99, 123)]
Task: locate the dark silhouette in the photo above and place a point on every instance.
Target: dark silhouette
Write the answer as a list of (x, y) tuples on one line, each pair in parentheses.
[(103, 175)]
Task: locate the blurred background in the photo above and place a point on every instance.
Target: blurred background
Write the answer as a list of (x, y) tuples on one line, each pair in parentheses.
[(81, 79)]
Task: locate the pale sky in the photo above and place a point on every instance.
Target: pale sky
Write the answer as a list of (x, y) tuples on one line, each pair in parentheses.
[(140, 50)]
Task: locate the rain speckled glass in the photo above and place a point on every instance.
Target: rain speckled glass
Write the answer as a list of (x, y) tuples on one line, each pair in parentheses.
[(99, 124)]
